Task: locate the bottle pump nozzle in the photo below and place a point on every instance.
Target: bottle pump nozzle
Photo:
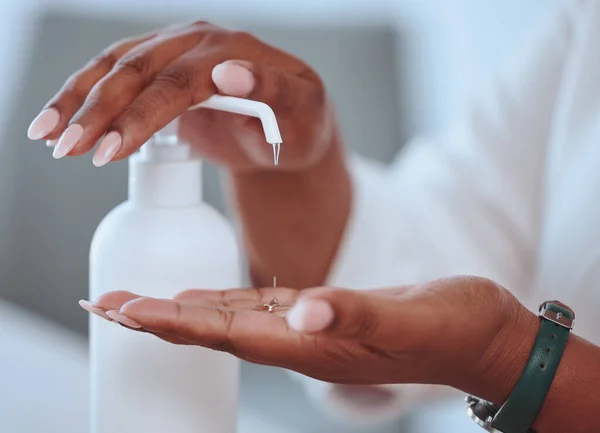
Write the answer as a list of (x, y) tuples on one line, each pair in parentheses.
[(168, 135)]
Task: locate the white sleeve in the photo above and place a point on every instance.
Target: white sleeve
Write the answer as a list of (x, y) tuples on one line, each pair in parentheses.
[(467, 202)]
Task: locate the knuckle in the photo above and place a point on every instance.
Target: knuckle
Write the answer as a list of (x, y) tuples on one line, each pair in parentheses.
[(139, 65), (243, 36), (279, 91), (72, 90), (202, 24), (179, 78), (72, 81), (123, 44), (88, 111), (139, 113), (138, 110), (161, 97), (101, 98), (106, 59)]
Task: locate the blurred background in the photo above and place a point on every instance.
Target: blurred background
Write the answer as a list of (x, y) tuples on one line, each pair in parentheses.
[(394, 68)]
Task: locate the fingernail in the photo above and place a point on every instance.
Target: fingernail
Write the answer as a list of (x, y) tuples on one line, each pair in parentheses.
[(51, 143), (233, 79), (121, 318), (68, 140), (310, 315), (107, 149), (43, 124), (88, 306)]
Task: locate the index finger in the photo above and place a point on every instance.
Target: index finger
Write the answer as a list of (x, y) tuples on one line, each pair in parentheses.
[(114, 93), (73, 93)]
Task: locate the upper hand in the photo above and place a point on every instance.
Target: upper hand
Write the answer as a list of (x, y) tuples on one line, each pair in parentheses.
[(137, 86), (451, 332)]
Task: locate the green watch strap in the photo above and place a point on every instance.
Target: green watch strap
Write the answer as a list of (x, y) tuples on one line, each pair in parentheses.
[(520, 410)]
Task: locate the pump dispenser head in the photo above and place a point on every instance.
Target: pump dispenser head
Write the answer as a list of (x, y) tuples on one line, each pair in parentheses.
[(165, 146), (167, 137)]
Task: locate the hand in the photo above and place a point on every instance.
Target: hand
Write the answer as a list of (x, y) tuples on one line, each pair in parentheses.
[(468, 333), (137, 86)]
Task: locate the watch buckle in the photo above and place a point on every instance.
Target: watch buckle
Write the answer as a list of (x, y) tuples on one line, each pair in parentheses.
[(555, 317)]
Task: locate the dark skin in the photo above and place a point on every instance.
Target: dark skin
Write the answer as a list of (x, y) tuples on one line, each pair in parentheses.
[(138, 86), (413, 334)]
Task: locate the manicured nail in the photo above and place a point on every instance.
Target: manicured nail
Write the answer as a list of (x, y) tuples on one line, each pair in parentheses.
[(88, 306), (107, 149), (51, 143), (233, 79), (43, 124), (121, 318), (68, 140), (310, 315)]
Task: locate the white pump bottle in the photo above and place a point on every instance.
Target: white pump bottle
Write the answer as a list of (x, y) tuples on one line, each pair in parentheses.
[(162, 240)]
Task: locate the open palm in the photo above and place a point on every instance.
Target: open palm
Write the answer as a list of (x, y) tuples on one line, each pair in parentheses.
[(411, 334)]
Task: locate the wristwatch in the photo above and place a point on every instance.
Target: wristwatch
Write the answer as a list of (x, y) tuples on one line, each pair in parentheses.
[(519, 411)]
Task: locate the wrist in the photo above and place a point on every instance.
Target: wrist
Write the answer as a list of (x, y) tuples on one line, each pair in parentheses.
[(307, 208), (570, 396), (505, 360)]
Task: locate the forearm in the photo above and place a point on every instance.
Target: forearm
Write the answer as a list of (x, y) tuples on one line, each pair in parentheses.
[(573, 401), (292, 223)]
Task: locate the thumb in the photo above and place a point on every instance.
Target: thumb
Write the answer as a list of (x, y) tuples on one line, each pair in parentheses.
[(234, 78), (275, 87), (348, 314)]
